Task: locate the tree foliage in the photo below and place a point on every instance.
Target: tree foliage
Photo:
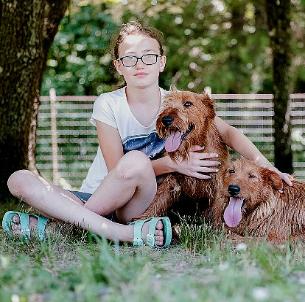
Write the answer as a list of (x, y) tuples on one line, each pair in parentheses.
[(79, 62), (220, 44)]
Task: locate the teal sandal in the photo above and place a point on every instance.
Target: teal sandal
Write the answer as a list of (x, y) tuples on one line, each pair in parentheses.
[(24, 224), (150, 237)]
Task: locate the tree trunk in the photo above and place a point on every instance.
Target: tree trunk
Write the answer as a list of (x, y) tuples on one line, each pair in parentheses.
[(278, 18), (236, 34), (27, 29)]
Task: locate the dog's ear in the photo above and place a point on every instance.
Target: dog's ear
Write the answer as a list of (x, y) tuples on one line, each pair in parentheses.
[(209, 104), (272, 178)]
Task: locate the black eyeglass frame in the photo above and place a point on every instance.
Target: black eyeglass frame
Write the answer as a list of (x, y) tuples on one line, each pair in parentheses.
[(139, 58)]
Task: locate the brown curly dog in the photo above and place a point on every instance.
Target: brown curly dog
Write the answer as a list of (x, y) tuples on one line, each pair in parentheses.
[(250, 203), (186, 119)]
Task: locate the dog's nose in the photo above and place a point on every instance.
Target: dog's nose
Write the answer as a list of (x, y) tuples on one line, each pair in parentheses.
[(167, 120), (233, 190)]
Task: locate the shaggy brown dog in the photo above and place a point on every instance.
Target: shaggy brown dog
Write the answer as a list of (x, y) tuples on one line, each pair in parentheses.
[(250, 203), (186, 119)]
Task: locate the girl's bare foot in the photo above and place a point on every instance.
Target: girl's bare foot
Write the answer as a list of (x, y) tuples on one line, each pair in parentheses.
[(159, 237)]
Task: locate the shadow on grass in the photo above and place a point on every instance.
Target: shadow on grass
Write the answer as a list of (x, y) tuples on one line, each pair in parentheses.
[(12, 204)]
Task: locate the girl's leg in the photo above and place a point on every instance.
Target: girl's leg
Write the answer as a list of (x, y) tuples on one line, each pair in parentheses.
[(128, 189), (63, 205)]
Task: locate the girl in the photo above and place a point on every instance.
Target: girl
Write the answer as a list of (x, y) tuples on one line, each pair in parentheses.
[(122, 178)]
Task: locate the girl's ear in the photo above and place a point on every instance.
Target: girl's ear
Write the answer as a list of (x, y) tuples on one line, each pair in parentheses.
[(117, 66), (162, 63)]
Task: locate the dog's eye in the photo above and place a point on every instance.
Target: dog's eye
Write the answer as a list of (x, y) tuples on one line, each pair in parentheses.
[(187, 104), (231, 171), (252, 176)]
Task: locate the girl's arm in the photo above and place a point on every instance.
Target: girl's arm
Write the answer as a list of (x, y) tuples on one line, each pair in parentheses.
[(198, 163), (110, 144), (236, 140), (162, 165)]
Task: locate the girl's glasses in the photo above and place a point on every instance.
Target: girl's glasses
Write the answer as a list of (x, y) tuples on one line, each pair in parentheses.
[(131, 61)]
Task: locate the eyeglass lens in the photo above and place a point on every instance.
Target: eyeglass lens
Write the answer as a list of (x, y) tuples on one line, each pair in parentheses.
[(130, 61)]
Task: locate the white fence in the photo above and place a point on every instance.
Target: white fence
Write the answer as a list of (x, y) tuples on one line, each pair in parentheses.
[(67, 142)]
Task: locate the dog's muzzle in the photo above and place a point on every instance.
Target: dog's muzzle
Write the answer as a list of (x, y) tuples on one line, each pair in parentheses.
[(167, 120), (233, 212), (186, 133), (176, 137), (233, 190)]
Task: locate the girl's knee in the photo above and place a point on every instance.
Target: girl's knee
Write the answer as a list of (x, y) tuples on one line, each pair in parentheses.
[(134, 164), (17, 182), (135, 157)]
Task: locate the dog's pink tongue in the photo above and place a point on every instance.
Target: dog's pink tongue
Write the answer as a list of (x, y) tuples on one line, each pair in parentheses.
[(232, 214), (173, 142)]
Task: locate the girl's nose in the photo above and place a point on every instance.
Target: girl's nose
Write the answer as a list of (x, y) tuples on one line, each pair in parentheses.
[(140, 64)]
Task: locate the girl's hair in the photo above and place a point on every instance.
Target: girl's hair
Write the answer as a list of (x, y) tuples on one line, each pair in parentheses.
[(135, 27)]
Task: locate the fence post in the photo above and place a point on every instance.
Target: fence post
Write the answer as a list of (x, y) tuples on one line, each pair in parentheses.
[(208, 91), (55, 172)]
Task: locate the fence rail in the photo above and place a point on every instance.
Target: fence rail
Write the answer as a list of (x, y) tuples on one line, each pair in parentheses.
[(75, 142)]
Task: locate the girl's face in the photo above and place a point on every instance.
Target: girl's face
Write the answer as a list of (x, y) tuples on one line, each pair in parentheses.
[(140, 75)]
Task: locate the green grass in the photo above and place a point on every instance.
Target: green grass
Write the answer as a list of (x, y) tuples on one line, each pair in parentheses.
[(204, 266)]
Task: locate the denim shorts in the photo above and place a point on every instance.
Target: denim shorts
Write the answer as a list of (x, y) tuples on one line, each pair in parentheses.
[(82, 195), (85, 196)]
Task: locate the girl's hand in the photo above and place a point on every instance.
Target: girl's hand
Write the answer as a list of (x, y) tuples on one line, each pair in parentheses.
[(198, 165), (264, 163), (287, 178)]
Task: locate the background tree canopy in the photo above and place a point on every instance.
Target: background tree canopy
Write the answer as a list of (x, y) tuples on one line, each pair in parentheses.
[(220, 44)]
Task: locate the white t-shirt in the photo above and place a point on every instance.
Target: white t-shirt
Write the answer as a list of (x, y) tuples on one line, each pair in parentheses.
[(112, 109)]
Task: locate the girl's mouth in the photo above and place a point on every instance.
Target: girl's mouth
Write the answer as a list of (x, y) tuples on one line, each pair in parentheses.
[(140, 74)]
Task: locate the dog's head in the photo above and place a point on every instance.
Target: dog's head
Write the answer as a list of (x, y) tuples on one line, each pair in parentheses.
[(184, 116), (245, 188)]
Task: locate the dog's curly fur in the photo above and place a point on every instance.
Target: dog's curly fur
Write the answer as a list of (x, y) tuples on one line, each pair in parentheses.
[(265, 212), (193, 115)]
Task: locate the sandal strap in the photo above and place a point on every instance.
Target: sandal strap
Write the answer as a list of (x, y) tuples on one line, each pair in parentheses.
[(167, 231), (24, 224), (150, 237), (6, 222), (137, 231), (41, 226)]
